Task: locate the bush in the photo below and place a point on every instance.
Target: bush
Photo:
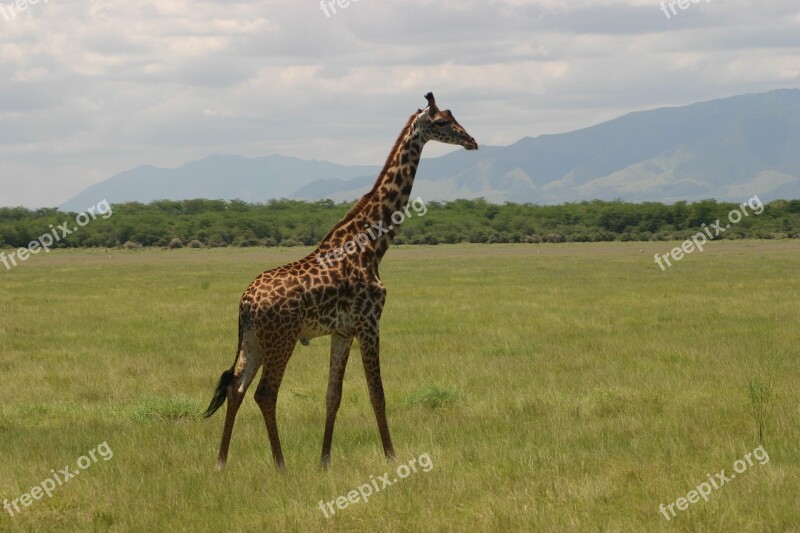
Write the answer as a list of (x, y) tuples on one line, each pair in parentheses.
[(195, 244), (579, 237), (247, 242), (217, 223), (132, 245)]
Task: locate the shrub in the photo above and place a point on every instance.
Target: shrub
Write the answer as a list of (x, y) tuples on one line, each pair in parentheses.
[(247, 242)]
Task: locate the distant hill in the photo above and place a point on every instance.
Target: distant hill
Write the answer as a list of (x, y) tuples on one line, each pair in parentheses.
[(224, 177), (728, 149)]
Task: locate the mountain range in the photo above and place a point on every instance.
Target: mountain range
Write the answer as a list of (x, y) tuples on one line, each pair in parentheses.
[(728, 149)]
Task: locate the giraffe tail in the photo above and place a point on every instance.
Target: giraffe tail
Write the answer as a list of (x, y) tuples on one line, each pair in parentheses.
[(221, 394)]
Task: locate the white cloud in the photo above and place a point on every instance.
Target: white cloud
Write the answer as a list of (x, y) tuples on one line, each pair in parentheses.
[(88, 89)]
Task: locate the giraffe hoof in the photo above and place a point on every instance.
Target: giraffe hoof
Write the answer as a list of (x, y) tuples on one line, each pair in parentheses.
[(220, 466)]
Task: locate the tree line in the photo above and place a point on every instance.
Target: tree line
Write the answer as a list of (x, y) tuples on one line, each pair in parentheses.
[(217, 223)]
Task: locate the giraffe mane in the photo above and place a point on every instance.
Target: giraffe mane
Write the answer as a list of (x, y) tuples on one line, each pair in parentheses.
[(364, 200)]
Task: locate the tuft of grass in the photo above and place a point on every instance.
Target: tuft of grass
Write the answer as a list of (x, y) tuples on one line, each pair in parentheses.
[(433, 397), (761, 399), (173, 409)]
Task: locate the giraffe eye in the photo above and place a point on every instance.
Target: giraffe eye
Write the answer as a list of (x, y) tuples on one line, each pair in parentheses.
[(440, 122)]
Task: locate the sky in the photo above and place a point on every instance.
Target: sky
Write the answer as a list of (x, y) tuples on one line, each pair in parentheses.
[(91, 88)]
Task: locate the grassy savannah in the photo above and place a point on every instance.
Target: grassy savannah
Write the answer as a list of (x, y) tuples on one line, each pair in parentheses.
[(554, 387)]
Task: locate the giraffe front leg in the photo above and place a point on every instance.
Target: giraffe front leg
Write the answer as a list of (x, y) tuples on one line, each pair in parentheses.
[(370, 356), (340, 352)]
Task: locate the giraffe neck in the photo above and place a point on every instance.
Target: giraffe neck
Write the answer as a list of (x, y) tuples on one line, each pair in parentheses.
[(369, 223)]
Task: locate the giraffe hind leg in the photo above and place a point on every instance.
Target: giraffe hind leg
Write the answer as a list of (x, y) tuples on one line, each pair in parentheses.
[(370, 356), (247, 364)]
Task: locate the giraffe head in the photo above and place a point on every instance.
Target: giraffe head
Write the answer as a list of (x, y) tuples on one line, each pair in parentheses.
[(442, 126)]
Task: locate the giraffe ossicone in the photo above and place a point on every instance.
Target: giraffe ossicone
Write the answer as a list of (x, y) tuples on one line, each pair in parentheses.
[(303, 299)]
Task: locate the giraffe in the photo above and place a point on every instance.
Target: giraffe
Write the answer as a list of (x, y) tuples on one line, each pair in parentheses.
[(342, 297)]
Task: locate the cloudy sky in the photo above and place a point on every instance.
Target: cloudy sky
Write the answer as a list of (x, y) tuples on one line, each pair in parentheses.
[(92, 88)]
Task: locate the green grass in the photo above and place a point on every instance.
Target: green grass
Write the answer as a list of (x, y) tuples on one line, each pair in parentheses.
[(554, 387), (432, 397), (172, 408)]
